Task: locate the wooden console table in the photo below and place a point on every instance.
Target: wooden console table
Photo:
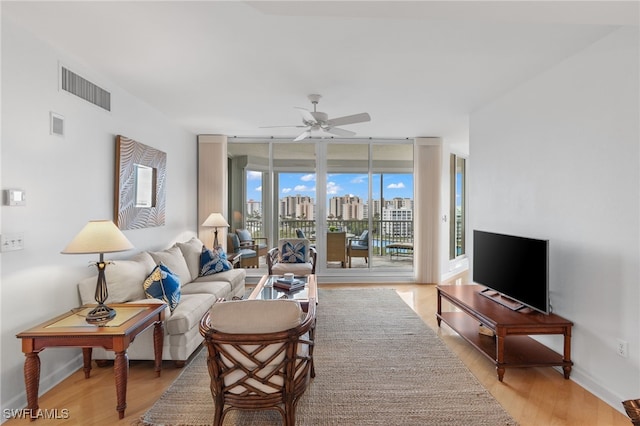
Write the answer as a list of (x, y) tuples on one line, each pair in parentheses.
[(511, 346), (72, 330)]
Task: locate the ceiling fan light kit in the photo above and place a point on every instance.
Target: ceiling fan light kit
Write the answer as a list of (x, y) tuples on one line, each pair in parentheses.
[(319, 121)]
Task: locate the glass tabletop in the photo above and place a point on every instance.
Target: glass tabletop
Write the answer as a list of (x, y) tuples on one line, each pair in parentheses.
[(269, 292)]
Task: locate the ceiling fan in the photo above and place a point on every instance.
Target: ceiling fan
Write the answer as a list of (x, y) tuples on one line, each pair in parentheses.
[(317, 120)]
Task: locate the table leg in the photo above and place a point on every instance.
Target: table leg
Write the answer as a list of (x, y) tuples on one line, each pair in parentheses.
[(32, 381), (500, 355), (121, 371), (439, 308), (158, 342), (567, 352), (86, 358)]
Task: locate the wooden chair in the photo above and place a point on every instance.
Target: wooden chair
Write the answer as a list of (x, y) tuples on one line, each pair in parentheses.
[(260, 244), (260, 355), (359, 247), (632, 407), (337, 247), (249, 254), (276, 265)]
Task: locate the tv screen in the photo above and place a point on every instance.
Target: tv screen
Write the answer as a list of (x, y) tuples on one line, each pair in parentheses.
[(515, 267)]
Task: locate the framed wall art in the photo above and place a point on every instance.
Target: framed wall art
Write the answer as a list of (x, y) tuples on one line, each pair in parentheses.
[(140, 190)]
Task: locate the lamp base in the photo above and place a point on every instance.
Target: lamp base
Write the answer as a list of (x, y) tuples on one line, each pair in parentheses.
[(101, 315)]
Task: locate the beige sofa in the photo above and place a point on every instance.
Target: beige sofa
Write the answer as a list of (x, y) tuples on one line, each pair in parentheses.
[(197, 295)]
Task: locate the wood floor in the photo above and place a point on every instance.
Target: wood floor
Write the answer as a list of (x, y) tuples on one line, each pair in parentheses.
[(533, 396)]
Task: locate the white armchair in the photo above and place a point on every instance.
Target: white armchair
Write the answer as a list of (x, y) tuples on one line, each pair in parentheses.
[(293, 255)]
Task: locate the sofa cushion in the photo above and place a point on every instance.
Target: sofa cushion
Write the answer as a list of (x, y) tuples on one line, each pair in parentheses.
[(281, 268), (255, 316), (216, 288), (188, 313), (163, 284), (235, 277), (213, 261), (294, 250), (174, 260), (191, 251), (124, 280)]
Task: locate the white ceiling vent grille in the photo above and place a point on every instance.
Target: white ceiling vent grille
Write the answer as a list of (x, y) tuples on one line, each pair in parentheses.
[(73, 83)]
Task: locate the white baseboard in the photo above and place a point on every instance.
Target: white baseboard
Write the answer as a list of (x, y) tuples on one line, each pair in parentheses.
[(587, 382)]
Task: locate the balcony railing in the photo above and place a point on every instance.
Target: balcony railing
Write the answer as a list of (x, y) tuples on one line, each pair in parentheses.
[(384, 232)]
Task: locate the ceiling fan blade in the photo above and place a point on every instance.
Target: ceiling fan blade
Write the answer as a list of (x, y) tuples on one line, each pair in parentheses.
[(275, 127), (306, 115), (349, 119), (303, 135), (339, 132)]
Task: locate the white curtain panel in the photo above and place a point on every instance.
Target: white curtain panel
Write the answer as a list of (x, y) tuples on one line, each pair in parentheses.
[(428, 184)]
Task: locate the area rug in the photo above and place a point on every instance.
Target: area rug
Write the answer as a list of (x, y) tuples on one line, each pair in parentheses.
[(377, 363)]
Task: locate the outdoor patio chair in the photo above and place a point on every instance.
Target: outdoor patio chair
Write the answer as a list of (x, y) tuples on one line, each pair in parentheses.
[(293, 255), (249, 253), (337, 247), (247, 240), (359, 247), (260, 355)]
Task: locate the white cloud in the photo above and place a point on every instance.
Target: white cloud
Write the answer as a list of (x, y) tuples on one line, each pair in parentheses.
[(308, 178), (333, 188), (395, 185), (302, 188), (259, 188), (286, 190), (254, 175), (360, 179)]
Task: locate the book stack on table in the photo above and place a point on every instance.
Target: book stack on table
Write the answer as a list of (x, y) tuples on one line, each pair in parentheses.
[(289, 285)]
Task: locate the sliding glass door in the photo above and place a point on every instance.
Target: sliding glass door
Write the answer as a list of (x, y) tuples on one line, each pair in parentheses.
[(352, 199)]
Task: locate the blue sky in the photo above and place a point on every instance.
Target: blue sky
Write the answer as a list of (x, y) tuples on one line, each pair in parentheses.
[(338, 184)]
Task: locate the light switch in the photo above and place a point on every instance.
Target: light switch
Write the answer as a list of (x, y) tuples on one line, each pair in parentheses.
[(15, 197), (12, 242)]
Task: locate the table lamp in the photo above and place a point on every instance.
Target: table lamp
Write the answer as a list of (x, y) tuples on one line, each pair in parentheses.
[(215, 220), (99, 236)]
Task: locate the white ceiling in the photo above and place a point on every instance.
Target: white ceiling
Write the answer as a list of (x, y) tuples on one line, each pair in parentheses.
[(418, 68)]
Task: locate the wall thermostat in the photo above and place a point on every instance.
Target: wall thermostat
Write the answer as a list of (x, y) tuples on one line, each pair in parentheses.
[(15, 197)]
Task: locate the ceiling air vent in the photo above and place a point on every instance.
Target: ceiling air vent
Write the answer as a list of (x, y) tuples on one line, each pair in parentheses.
[(73, 83)]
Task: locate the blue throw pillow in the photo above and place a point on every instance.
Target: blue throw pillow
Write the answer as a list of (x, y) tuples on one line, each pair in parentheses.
[(294, 252), (213, 261), (163, 284)]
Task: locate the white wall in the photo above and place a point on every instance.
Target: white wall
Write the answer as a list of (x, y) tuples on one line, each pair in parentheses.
[(558, 158), (68, 181)]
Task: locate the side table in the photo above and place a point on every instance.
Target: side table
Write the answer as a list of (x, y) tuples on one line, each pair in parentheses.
[(71, 330)]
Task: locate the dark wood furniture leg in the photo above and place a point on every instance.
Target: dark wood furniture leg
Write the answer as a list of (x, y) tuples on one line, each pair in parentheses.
[(567, 353), (439, 316), (32, 381), (121, 371), (86, 358), (158, 342), (500, 354)]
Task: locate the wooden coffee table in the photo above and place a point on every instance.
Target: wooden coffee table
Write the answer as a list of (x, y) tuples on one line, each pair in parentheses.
[(265, 290), (72, 330)]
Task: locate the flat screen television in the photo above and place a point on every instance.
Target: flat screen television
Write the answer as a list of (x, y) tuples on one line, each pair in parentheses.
[(515, 267)]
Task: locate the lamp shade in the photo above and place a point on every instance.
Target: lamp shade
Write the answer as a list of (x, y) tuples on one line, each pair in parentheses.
[(98, 236), (215, 220)]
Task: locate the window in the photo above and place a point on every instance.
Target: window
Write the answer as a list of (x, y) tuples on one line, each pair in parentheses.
[(278, 188), (457, 212)]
